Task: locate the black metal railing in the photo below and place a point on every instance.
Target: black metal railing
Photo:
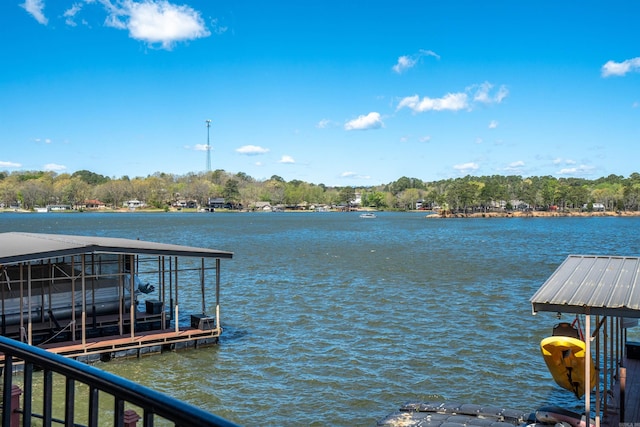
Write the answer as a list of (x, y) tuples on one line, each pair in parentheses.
[(154, 405)]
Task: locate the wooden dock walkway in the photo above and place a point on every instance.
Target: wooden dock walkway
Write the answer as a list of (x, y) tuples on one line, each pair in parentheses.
[(114, 346), (626, 389), (126, 345)]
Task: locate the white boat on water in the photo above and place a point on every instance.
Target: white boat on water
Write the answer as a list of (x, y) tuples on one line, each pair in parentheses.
[(368, 215)]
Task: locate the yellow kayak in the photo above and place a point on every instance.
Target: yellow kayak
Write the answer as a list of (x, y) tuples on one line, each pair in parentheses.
[(565, 358)]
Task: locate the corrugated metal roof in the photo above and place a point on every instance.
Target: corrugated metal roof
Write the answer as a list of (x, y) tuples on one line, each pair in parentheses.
[(590, 284), (19, 247)]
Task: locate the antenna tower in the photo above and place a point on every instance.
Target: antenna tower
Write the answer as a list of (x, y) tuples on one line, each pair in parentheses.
[(208, 122)]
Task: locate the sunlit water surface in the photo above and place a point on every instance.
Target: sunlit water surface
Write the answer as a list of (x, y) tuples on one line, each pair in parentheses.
[(335, 320)]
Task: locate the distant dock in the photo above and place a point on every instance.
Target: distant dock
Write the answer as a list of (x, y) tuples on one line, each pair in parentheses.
[(89, 297)]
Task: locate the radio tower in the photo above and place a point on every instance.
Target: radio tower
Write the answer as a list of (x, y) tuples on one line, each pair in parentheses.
[(208, 146)]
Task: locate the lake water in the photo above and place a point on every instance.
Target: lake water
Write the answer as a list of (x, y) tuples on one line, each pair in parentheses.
[(335, 320)]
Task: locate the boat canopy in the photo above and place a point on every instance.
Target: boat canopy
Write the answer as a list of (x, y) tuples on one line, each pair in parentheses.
[(18, 247), (592, 285)]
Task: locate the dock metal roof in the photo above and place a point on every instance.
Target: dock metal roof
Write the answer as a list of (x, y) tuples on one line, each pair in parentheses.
[(19, 247), (589, 284)]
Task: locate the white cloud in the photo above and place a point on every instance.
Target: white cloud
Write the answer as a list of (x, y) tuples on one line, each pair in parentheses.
[(71, 13), (217, 28), (35, 8), (370, 121), (9, 164), (503, 92), (252, 150), (560, 160), (286, 159), (466, 167), (54, 167), (483, 93), (425, 138), (157, 22), (451, 101), (493, 124), (351, 174), (612, 68), (578, 170), (406, 62), (200, 147), (324, 123), (515, 167)]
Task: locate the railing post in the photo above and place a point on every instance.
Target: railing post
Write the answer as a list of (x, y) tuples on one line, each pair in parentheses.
[(16, 392), (130, 418)]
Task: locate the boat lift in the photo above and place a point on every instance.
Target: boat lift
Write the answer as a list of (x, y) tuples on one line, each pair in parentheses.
[(87, 296), (605, 289)]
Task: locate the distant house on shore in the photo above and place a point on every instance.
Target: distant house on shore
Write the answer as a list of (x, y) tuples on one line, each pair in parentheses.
[(215, 203), (595, 207), (94, 204), (134, 204), (263, 206), (59, 207)]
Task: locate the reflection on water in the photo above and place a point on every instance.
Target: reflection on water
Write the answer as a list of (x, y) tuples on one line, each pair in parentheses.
[(334, 320)]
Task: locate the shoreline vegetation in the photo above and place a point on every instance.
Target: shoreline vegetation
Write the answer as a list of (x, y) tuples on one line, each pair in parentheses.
[(428, 214), (495, 195)]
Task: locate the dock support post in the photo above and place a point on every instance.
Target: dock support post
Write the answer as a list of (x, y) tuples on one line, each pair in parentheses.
[(16, 392), (596, 335), (218, 295), (587, 367), (130, 418), (623, 386)]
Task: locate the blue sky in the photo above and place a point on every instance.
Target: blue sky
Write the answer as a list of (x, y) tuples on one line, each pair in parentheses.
[(333, 92)]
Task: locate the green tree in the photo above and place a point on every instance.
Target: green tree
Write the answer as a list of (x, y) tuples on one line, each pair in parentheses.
[(71, 190), (549, 191), (114, 192), (407, 199), (347, 194), (374, 199), (631, 195), (293, 193), (89, 177), (230, 192)]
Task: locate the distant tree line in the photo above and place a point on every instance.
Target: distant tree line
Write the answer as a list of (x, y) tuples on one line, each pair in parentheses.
[(160, 190)]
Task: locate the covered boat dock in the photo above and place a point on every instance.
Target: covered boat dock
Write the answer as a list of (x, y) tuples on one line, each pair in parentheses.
[(606, 291), (99, 297)]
